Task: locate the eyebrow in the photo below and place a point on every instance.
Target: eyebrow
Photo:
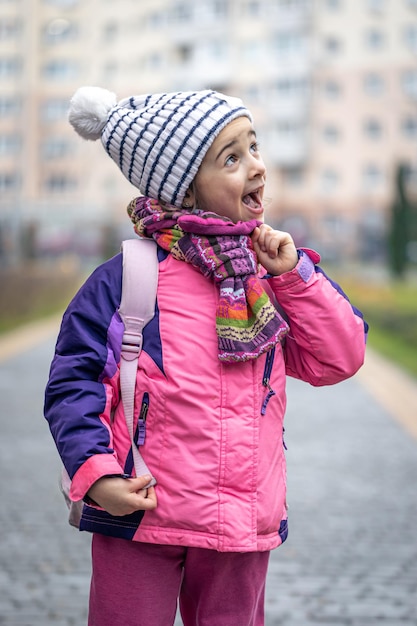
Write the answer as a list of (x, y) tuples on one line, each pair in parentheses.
[(251, 133)]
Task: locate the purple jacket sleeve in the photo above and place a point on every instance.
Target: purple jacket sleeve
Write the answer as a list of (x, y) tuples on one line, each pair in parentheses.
[(86, 356), (326, 342)]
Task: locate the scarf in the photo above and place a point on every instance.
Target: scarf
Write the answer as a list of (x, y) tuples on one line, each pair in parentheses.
[(247, 323)]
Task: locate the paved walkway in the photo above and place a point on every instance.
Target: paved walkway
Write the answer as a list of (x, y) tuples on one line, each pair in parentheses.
[(351, 555)]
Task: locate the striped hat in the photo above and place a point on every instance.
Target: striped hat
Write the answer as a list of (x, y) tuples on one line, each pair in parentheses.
[(158, 141)]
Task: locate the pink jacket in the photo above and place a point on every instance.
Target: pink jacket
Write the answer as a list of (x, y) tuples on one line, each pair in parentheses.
[(214, 431)]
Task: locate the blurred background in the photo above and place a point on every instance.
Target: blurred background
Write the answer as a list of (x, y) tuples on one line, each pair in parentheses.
[(332, 85)]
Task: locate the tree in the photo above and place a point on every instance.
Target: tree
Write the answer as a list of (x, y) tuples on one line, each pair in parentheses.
[(400, 225)]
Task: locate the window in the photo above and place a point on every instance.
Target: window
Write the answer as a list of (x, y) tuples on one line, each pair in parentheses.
[(60, 69), (375, 5), (373, 129), (10, 67), (9, 181), (251, 51), (331, 134), (56, 148), (185, 53), (9, 28), (293, 4), (372, 177), (288, 43), (181, 12), (62, 3), (410, 37), (156, 19), (220, 8), (59, 183), (9, 105), (409, 83), (409, 127), (329, 180), (10, 144), (54, 110), (294, 177), (289, 130), (252, 93), (253, 8), (291, 87), (332, 5), (373, 84), (375, 39), (217, 50), (331, 89), (332, 45), (154, 61), (334, 224), (60, 30), (110, 31)]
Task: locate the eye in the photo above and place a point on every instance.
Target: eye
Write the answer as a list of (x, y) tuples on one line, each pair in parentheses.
[(254, 147), (230, 160)]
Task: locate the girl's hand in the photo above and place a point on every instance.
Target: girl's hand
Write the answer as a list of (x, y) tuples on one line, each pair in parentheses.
[(275, 249), (122, 496)]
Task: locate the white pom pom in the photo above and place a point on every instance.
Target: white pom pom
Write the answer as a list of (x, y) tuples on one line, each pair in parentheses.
[(89, 111)]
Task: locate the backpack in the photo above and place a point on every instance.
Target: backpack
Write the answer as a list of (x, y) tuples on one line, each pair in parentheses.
[(137, 308)]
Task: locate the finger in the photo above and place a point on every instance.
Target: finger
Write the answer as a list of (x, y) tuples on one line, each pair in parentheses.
[(255, 234), (151, 499), (145, 503), (261, 241), (271, 245), (140, 482)]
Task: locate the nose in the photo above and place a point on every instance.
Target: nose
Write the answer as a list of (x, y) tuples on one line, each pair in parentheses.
[(257, 166)]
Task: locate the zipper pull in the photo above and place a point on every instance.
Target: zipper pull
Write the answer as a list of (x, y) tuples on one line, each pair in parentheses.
[(265, 381), (268, 396), (142, 420), (144, 408)]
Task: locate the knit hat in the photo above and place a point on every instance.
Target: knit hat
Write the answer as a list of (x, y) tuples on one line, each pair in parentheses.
[(158, 141)]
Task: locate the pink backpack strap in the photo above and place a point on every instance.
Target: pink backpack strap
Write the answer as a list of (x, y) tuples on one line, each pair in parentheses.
[(137, 308)]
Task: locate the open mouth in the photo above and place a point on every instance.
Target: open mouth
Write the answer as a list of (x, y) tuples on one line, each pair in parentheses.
[(253, 200)]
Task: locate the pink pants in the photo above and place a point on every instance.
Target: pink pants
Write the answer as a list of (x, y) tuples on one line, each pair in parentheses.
[(138, 584)]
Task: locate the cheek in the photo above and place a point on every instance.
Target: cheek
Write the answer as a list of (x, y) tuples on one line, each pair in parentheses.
[(207, 196)]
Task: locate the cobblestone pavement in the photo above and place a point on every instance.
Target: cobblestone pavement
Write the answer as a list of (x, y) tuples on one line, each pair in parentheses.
[(351, 555)]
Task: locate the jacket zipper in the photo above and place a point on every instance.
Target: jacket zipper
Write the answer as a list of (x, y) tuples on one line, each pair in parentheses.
[(140, 433), (141, 426), (265, 381), (266, 377)]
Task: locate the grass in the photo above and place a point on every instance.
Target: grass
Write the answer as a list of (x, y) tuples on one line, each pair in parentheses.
[(35, 292), (390, 308)]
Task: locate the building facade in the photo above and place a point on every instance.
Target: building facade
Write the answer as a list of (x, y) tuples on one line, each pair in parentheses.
[(332, 85)]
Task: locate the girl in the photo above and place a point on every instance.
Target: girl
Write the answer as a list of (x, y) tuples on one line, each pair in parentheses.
[(238, 308)]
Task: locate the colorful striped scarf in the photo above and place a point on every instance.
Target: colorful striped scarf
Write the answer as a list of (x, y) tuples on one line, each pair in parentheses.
[(247, 323)]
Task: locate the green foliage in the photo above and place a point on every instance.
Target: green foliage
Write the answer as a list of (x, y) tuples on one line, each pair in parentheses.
[(34, 292), (400, 228), (391, 312)]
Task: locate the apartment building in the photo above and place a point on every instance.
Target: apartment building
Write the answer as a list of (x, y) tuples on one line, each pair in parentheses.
[(332, 85), (363, 124)]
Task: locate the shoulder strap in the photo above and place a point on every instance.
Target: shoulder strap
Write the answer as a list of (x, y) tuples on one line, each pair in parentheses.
[(137, 308)]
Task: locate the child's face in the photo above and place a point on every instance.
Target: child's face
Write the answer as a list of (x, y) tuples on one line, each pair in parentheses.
[(231, 178)]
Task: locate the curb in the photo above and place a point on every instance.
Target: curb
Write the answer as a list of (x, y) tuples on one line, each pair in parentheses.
[(392, 387)]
